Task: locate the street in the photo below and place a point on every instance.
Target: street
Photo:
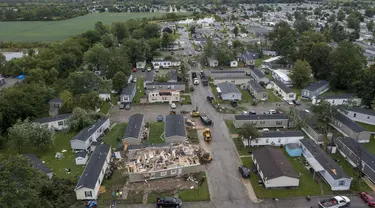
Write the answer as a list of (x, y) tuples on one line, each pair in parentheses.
[(227, 188)]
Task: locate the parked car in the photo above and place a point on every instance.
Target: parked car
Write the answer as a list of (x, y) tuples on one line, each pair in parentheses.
[(296, 102), (245, 113), (149, 69), (169, 202), (159, 118), (134, 69), (272, 112), (210, 99), (335, 202), (173, 105), (370, 200), (122, 105), (135, 79), (252, 112), (196, 81), (127, 106), (234, 104), (245, 173), (143, 70)]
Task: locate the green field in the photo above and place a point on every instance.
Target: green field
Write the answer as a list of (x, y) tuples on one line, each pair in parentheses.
[(48, 31)]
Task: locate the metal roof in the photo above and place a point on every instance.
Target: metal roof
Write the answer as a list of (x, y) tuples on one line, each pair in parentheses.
[(259, 73), (281, 134), (273, 163), (129, 89), (260, 117), (52, 119), (86, 133), (282, 86), (324, 160), (227, 71), (363, 111), (317, 85), (256, 86), (133, 129), (174, 125), (339, 96), (227, 87), (37, 163), (95, 165), (164, 83), (349, 123)]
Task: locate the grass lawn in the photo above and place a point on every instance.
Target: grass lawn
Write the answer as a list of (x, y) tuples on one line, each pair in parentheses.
[(115, 99), (297, 91), (337, 92), (185, 99), (197, 194), (105, 108), (231, 128), (307, 185), (213, 90), (115, 134), (371, 145), (193, 136), (49, 31), (259, 62), (357, 185), (272, 97), (140, 90), (241, 149), (156, 131), (246, 97), (152, 196)]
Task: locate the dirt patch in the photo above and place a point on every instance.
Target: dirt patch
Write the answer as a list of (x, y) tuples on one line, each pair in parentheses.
[(162, 184)]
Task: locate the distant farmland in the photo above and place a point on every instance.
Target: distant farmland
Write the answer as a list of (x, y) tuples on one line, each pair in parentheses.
[(59, 30)]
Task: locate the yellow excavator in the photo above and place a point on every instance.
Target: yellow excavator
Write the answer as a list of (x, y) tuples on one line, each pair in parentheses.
[(207, 135)]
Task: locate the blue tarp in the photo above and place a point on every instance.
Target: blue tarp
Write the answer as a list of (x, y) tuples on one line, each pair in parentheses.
[(21, 76)]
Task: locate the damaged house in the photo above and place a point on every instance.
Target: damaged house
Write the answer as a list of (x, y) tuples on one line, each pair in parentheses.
[(156, 162)]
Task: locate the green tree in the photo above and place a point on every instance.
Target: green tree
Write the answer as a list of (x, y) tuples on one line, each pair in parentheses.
[(341, 15), (21, 183), (90, 101), (301, 74), (331, 18), (108, 40), (365, 85), (302, 25), (166, 39), (346, 62), (85, 82), (209, 48), (81, 119), (101, 28), (235, 31), (353, 22), (324, 114), (25, 133), (68, 101), (119, 81), (119, 30), (370, 25), (58, 193), (23, 101), (369, 12), (248, 131), (284, 40), (2, 62), (97, 57), (338, 33)]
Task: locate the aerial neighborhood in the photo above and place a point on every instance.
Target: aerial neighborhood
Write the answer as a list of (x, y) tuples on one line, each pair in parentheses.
[(190, 104)]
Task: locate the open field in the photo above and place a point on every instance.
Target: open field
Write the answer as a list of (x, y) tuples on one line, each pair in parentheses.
[(48, 31)]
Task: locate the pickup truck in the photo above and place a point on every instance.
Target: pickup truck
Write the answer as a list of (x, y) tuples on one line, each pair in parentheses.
[(168, 202), (334, 202)]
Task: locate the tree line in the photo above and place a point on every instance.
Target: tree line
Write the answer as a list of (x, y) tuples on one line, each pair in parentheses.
[(66, 69), (342, 64), (41, 12)]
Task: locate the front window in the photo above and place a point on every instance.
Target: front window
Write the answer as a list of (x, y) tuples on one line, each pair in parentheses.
[(279, 122), (262, 122), (88, 194), (354, 115), (341, 183), (164, 173), (279, 140), (267, 140)]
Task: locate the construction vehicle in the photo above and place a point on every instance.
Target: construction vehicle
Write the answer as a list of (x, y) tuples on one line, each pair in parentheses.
[(204, 157), (206, 121), (195, 113), (207, 135)]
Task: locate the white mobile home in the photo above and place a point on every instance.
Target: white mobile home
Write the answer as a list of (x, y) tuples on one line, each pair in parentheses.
[(274, 138), (58, 122), (89, 183), (362, 115)]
